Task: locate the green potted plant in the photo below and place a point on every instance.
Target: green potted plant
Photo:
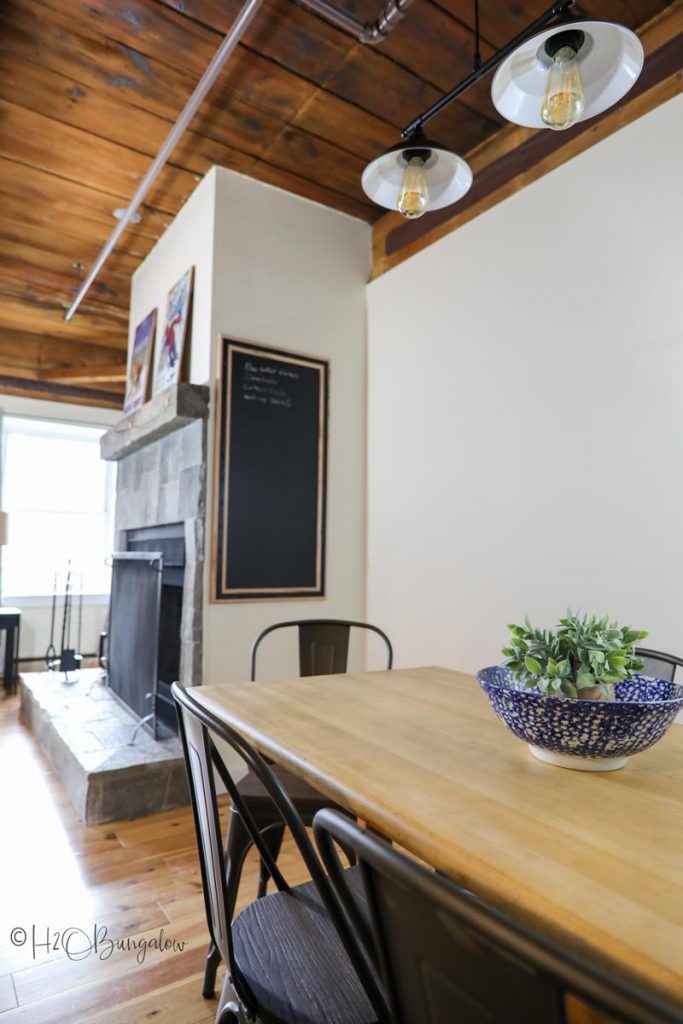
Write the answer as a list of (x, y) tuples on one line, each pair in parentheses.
[(582, 657)]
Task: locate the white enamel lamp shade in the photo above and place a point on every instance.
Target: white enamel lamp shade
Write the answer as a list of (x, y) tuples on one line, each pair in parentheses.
[(449, 177), (611, 59)]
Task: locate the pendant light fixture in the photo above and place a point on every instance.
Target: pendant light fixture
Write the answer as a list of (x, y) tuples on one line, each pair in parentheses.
[(567, 73), (560, 70), (416, 175)]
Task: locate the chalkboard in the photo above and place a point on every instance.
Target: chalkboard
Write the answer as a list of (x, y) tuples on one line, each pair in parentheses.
[(270, 474)]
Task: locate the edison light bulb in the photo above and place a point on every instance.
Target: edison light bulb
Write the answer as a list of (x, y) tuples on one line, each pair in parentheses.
[(413, 196), (564, 98)]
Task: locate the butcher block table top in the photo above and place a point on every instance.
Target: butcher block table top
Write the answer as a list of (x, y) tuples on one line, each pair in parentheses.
[(593, 859)]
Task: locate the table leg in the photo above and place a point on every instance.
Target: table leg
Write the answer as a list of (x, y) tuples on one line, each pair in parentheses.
[(9, 659), (16, 656)]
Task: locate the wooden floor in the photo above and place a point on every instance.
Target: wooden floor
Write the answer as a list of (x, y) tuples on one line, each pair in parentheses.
[(133, 878)]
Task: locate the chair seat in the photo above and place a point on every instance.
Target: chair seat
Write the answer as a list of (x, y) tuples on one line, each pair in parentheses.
[(306, 799), (291, 956)]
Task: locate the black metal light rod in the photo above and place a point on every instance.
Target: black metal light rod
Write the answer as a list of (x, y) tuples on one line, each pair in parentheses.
[(553, 12)]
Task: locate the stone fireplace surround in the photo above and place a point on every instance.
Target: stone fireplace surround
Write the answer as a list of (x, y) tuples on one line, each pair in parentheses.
[(161, 479), (85, 732)]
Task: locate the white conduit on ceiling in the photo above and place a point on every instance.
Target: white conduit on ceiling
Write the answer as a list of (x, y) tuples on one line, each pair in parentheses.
[(231, 40), (371, 34)]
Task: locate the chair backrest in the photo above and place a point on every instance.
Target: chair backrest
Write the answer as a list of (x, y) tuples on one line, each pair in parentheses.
[(658, 664), (445, 956), (323, 644), (196, 728)]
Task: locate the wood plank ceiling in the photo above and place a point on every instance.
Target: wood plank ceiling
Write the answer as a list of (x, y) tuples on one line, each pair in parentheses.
[(89, 89)]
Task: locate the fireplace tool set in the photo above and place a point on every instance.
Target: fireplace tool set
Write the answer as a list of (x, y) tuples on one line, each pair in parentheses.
[(68, 660)]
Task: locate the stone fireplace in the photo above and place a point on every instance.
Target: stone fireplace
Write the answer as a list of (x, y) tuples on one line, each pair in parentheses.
[(84, 727), (161, 486)]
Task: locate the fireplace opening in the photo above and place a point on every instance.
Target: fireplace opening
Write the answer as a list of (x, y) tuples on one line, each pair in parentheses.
[(145, 624)]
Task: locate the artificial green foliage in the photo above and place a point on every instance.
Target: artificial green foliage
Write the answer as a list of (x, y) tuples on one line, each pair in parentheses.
[(577, 654)]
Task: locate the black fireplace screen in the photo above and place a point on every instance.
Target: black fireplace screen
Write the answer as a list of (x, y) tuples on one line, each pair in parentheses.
[(145, 624), (134, 628)]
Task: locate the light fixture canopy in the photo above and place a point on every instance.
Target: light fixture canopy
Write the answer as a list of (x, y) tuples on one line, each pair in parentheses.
[(610, 57), (449, 177)]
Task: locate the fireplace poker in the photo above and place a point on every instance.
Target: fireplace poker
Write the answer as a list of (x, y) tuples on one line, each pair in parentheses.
[(68, 659), (51, 653)]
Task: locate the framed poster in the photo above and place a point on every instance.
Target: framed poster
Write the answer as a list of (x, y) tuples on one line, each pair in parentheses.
[(137, 380), (268, 537), (171, 344)]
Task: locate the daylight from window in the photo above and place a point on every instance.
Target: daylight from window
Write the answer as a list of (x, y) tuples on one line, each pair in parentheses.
[(59, 497)]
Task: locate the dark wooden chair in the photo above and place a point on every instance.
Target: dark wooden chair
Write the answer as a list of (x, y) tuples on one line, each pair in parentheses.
[(658, 664), (446, 957), (291, 957), (323, 650)]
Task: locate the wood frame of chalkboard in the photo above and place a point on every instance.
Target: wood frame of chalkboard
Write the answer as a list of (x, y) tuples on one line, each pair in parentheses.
[(270, 474)]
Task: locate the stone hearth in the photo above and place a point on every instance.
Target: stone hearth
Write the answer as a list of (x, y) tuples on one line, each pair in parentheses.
[(82, 727), (86, 734)]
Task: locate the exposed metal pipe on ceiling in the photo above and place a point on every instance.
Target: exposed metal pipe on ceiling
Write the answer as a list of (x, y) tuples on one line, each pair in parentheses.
[(237, 30), (369, 33)]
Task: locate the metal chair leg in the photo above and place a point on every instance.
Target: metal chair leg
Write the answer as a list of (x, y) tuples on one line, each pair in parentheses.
[(213, 959), (273, 838)]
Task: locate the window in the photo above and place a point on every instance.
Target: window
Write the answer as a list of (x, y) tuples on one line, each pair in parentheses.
[(59, 497)]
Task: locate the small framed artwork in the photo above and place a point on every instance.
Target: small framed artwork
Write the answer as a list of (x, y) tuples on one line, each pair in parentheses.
[(137, 380), (268, 537), (171, 344)]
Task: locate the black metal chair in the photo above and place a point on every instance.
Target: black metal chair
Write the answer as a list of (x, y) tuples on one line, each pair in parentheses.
[(291, 957), (658, 664), (446, 957), (323, 644), (323, 650)]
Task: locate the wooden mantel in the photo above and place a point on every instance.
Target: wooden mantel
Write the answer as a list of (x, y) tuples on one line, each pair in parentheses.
[(171, 410)]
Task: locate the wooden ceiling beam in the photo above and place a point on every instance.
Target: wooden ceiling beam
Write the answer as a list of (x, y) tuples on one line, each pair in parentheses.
[(249, 133), (516, 157), (74, 394), (31, 353), (22, 310), (112, 372)]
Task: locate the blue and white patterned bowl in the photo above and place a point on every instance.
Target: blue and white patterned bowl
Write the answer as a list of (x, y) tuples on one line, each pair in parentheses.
[(585, 734)]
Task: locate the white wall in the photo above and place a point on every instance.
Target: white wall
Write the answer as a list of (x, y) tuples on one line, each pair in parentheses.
[(187, 242), (291, 273), (36, 613), (271, 267), (526, 410)]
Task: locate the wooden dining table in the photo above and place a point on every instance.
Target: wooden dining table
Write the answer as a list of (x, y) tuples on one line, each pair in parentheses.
[(594, 860)]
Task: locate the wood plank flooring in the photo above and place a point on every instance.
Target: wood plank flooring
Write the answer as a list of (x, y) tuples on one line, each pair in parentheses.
[(132, 878)]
